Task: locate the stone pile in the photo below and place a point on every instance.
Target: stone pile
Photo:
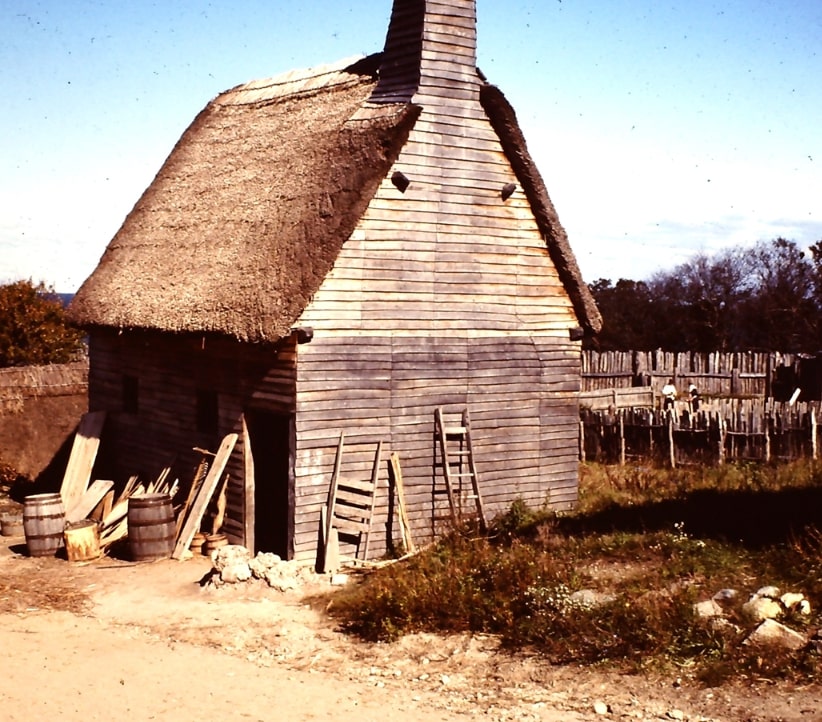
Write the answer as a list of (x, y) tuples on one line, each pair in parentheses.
[(234, 564), (764, 607)]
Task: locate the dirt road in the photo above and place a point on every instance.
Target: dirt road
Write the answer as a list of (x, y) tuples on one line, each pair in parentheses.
[(113, 640)]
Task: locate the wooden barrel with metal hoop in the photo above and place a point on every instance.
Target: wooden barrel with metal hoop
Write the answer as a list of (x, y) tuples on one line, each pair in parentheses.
[(151, 527)]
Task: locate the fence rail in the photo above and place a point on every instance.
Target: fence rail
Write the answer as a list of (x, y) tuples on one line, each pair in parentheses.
[(720, 374)]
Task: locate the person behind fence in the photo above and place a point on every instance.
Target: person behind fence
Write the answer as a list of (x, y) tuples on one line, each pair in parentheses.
[(693, 394), (668, 394)]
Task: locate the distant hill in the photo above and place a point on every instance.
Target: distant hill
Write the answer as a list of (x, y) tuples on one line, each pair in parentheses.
[(65, 298)]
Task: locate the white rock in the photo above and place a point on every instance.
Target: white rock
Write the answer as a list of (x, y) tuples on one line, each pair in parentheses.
[(774, 633), (759, 608), (707, 609), (239, 572), (601, 708), (230, 555), (263, 562), (590, 599), (791, 599), (280, 581), (725, 596), (770, 592)]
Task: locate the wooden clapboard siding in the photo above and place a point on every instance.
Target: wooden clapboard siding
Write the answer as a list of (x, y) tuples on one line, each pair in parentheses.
[(169, 371), (504, 243), (505, 381)]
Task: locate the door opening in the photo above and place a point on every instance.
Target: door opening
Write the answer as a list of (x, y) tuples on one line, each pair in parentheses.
[(270, 437)]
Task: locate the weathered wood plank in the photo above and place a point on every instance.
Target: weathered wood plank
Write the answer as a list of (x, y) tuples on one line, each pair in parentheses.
[(198, 508), (81, 460)]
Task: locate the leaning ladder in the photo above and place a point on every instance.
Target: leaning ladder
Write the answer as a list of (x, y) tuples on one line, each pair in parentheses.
[(459, 472)]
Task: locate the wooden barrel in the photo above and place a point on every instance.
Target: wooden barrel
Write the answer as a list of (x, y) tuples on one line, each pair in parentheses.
[(152, 529), (44, 521), (82, 541), (11, 524), (197, 542), (214, 542)]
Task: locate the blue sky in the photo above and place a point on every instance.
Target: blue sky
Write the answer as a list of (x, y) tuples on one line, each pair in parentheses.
[(661, 129)]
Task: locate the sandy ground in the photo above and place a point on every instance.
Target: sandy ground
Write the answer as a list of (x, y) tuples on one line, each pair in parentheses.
[(113, 640)]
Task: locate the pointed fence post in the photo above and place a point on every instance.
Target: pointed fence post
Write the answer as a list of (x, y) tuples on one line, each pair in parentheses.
[(671, 448), (621, 437), (720, 423)]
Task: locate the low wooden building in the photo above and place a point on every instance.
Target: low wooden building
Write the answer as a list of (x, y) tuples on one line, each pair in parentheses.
[(345, 249)]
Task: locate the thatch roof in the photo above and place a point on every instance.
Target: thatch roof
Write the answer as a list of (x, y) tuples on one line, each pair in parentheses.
[(251, 208), (249, 212)]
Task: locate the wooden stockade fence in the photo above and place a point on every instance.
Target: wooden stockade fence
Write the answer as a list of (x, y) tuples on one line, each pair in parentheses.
[(719, 374), (720, 431)]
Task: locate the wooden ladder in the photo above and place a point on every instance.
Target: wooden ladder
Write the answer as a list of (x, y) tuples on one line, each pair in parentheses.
[(350, 507), (459, 472)]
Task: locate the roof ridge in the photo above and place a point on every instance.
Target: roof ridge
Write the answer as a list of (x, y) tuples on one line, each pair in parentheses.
[(295, 82)]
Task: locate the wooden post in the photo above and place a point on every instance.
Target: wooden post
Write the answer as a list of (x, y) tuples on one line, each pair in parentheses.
[(582, 440), (250, 494), (720, 422), (621, 439), (671, 449), (813, 434), (767, 431)]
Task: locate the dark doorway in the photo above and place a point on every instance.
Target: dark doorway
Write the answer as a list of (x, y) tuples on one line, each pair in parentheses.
[(270, 436)]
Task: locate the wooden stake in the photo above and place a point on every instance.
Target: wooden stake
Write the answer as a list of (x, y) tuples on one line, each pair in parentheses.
[(671, 448), (621, 438), (721, 424), (405, 526), (219, 516)]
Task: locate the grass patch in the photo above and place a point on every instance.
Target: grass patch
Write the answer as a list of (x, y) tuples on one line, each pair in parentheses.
[(616, 582)]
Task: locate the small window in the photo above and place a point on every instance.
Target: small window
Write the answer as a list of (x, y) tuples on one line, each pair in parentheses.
[(131, 394), (208, 411)]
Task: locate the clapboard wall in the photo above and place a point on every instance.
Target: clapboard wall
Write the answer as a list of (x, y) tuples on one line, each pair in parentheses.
[(163, 428), (445, 295)]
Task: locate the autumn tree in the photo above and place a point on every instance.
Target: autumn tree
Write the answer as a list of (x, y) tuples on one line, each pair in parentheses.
[(767, 296), (33, 327)]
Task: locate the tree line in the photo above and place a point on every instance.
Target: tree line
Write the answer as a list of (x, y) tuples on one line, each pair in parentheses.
[(767, 297), (764, 297)]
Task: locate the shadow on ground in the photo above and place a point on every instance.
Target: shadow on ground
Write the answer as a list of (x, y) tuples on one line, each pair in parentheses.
[(752, 518)]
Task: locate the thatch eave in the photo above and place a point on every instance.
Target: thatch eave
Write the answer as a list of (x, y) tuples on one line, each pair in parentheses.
[(248, 214)]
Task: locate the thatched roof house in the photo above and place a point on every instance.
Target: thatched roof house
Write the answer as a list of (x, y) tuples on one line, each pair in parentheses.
[(387, 212)]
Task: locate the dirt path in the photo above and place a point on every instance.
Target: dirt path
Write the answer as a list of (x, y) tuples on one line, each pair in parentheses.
[(113, 640)]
